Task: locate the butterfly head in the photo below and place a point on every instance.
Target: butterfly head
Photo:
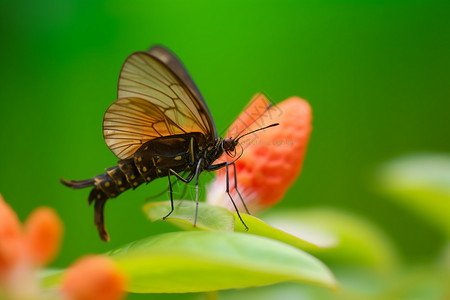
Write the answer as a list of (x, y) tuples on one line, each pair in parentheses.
[(229, 146)]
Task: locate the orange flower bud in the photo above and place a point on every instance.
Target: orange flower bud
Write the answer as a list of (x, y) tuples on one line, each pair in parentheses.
[(43, 233), (10, 238), (272, 158), (93, 278)]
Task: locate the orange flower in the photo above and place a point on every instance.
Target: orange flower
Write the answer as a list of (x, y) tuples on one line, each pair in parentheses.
[(10, 233), (42, 235), (93, 278), (24, 250), (272, 159)]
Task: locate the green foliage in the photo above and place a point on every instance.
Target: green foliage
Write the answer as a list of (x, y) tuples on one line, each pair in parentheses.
[(196, 261), (420, 283), (420, 182), (211, 256), (209, 217), (338, 237), (258, 227), (346, 239)]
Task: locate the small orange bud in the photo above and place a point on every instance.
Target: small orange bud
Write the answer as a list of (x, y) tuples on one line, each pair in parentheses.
[(93, 278), (43, 233), (10, 238), (272, 158)]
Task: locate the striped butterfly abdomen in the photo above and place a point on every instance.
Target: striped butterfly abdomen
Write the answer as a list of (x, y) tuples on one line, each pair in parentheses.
[(153, 159)]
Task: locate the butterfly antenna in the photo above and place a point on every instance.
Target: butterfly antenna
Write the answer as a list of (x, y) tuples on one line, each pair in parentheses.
[(262, 128)]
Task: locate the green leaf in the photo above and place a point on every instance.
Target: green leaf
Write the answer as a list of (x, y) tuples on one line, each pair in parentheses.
[(199, 261), (346, 239), (420, 182), (210, 217), (259, 227), (356, 284), (217, 218)]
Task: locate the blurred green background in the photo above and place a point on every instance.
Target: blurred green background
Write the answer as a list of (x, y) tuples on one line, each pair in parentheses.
[(375, 72)]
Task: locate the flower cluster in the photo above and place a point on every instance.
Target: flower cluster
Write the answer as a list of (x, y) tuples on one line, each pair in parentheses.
[(24, 250)]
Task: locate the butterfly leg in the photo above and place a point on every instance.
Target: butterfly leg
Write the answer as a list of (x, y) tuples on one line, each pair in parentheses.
[(219, 166), (197, 174), (236, 188), (171, 197), (185, 180), (179, 177), (231, 198), (160, 193)]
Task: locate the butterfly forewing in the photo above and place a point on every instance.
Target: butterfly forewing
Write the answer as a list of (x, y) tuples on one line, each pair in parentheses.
[(174, 64), (153, 102)]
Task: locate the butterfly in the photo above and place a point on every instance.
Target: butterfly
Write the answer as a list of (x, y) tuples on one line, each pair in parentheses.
[(160, 126)]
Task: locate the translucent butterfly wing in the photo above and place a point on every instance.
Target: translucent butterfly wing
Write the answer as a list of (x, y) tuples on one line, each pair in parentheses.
[(152, 102), (174, 64)]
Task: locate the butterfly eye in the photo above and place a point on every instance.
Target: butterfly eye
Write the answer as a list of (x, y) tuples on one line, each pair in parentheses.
[(227, 144)]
